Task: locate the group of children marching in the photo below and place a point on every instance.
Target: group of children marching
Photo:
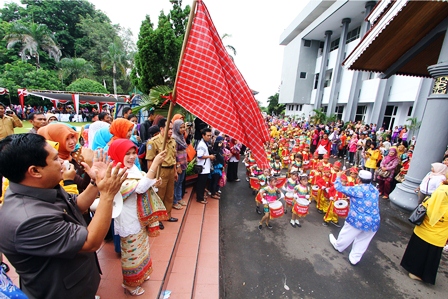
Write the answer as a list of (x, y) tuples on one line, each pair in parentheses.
[(307, 179)]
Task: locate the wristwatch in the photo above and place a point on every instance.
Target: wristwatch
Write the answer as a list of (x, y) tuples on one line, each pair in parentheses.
[(92, 181)]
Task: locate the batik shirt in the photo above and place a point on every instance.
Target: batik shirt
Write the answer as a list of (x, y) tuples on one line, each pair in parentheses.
[(364, 211)]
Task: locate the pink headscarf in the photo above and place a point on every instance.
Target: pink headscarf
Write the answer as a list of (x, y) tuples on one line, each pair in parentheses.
[(439, 170)]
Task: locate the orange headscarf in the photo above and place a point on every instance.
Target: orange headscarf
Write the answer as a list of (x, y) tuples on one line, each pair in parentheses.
[(176, 117), (59, 133), (119, 128)]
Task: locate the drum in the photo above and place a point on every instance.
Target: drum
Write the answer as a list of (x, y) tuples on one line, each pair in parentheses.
[(340, 208), (301, 206), (254, 183), (289, 197), (314, 191), (275, 209), (258, 198), (280, 182)]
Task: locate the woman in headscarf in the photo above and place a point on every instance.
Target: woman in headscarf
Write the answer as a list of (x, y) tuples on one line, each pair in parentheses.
[(218, 166), (387, 164), (121, 128), (352, 147), (102, 138), (142, 210), (232, 168), (422, 256), (432, 180), (181, 162), (68, 140)]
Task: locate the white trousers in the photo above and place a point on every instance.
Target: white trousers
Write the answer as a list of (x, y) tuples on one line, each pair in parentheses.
[(360, 239)]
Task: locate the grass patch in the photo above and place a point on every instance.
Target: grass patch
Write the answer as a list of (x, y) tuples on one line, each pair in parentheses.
[(27, 126)]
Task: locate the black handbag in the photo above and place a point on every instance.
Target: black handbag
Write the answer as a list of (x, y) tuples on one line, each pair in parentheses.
[(418, 214), (198, 168)]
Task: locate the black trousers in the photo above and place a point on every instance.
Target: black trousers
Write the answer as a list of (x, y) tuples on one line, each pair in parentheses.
[(200, 186)]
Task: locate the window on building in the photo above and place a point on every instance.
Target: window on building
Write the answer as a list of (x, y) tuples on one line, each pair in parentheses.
[(410, 110), (352, 35), (360, 113), (321, 49), (389, 117), (334, 44), (316, 80), (302, 75), (324, 109), (328, 75), (339, 111), (297, 107), (307, 43)]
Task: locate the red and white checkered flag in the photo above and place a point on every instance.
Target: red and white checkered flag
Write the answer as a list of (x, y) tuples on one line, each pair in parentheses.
[(210, 86)]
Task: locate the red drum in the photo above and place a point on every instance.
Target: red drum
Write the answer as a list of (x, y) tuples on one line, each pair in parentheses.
[(289, 197), (280, 181), (314, 192), (254, 183), (340, 208), (258, 198), (301, 207), (276, 209)]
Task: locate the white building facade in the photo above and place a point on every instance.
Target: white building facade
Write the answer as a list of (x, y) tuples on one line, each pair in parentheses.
[(313, 76)]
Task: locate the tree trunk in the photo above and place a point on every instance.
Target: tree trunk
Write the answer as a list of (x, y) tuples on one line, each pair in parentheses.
[(114, 71)]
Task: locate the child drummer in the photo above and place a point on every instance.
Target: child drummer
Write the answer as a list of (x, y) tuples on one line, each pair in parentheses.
[(270, 193), (263, 180), (334, 195), (302, 192), (276, 166), (296, 165), (289, 187)]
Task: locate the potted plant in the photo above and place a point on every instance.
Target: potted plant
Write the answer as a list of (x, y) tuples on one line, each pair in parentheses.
[(191, 176)]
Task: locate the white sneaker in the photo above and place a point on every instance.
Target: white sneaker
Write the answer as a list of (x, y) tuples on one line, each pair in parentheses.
[(333, 241)]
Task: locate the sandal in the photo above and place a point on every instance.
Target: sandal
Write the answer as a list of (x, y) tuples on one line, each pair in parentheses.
[(133, 292), (385, 197), (203, 202)]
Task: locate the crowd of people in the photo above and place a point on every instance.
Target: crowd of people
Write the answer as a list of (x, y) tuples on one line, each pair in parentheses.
[(150, 177)]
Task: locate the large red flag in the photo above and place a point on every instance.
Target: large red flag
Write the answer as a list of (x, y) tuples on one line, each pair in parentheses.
[(210, 86)]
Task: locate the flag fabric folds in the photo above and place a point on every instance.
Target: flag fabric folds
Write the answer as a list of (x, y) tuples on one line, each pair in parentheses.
[(210, 86)]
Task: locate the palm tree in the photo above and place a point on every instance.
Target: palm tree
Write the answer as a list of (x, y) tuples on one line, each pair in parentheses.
[(319, 117), (229, 47), (75, 68), (413, 126), (116, 58), (32, 38)]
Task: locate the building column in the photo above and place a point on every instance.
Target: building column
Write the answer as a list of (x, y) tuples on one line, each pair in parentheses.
[(355, 87), (336, 85), (433, 135), (381, 100), (323, 70)]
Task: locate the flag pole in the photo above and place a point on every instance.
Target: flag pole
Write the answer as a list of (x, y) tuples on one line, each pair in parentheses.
[(173, 95)]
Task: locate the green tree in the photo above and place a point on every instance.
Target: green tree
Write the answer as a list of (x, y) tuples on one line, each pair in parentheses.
[(33, 37), (159, 49), (74, 68), (274, 106), (413, 126), (86, 85), (115, 58), (229, 47), (20, 74), (61, 17), (7, 55)]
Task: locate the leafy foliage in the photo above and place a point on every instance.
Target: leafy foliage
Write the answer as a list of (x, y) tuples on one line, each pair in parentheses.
[(159, 49), (274, 106), (74, 68), (32, 38), (86, 85)]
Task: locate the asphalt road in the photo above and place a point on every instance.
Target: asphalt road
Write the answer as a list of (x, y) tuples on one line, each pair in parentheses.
[(288, 262)]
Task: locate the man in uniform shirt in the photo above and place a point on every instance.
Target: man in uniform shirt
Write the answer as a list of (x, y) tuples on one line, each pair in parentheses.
[(168, 172)]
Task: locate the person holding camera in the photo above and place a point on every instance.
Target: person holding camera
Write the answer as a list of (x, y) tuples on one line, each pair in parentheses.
[(8, 121), (204, 159)]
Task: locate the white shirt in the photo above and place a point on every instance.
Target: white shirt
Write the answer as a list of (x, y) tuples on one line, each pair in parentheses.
[(429, 185), (127, 222), (93, 128), (202, 150)]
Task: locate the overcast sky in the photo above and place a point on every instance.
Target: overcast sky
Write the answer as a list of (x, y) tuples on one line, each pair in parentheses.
[(255, 27)]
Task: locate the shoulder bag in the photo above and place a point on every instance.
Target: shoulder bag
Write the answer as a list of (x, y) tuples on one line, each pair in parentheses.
[(418, 214)]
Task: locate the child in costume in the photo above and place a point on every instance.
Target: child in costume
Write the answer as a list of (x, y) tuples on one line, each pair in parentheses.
[(325, 161), (289, 186), (315, 176), (269, 194), (324, 184), (353, 179), (263, 180), (302, 192), (296, 165), (276, 166), (331, 216), (306, 157)]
